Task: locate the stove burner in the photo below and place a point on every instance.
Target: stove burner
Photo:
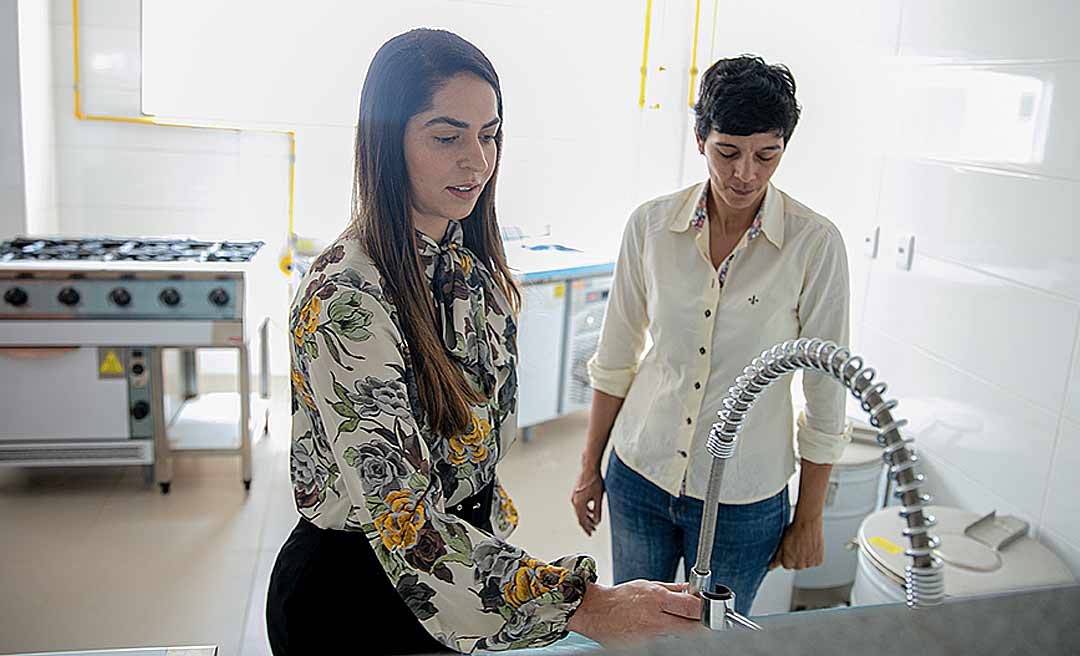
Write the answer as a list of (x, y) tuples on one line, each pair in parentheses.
[(114, 249)]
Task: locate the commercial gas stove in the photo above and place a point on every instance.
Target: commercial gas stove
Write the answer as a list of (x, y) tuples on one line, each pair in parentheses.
[(98, 339)]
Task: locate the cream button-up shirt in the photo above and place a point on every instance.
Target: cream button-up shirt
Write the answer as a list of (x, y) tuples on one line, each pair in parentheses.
[(786, 278)]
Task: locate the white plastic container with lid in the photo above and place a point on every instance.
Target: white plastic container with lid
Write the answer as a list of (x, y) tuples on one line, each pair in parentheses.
[(975, 561), (855, 488)]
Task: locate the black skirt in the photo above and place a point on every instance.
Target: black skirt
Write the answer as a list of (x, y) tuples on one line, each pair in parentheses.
[(317, 568)]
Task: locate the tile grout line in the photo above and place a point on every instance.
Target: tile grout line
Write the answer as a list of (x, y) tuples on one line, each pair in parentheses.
[(868, 279), (958, 466), (997, 276), (1060, 429), (940, 359), (959, 470)]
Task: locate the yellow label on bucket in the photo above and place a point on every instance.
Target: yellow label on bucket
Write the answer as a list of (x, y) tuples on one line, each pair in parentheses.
[(882, 543)]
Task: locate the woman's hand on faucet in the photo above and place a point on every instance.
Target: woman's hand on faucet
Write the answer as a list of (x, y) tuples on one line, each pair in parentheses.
[(802, 546), (637, 610)]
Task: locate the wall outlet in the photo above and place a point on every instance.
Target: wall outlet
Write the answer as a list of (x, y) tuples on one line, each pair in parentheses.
[(870, 243), (905, 252)]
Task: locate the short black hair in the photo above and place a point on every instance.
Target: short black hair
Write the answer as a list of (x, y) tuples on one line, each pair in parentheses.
[(743, 96)]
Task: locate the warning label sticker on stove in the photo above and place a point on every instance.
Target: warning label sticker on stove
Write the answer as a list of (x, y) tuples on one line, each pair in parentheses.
[(109, 364)]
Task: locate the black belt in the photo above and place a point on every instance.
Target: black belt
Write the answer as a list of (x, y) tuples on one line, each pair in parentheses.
[(476, 509)]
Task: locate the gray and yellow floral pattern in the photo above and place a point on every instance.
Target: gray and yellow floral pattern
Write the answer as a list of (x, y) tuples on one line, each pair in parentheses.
[(364, 457)]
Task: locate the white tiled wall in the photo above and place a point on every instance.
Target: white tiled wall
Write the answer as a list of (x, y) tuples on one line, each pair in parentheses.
[(982, 30), (960, 315), (952, 120), (979, 338), (12, 189), (1072, 393), (959, 206), (1000, 441), (38, 117), (569, 72)]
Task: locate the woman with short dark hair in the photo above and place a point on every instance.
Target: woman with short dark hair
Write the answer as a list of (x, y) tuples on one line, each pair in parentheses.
[(715, 274), (404, 398)]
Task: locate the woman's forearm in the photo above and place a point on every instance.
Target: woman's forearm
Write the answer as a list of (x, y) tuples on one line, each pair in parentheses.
[(813, 487), (605, 408)]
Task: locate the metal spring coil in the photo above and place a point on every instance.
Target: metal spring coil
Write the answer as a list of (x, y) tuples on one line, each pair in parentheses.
[(925, 585)]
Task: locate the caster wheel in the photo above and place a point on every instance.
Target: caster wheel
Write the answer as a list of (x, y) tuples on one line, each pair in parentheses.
[(247, 485), (165, 487)]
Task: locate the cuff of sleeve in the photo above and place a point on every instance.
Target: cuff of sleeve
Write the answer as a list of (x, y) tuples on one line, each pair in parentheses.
[(581, 565), (820, 447), (615, 382), (582, 573)]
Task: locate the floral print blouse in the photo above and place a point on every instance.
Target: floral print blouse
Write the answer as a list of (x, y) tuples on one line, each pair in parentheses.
[(365, 459)]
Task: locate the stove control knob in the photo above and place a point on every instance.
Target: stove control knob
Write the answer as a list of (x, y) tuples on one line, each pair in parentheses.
[(140, 410), (219, 297), (68, 296), (16, 296), (169, 296), (120, 296)]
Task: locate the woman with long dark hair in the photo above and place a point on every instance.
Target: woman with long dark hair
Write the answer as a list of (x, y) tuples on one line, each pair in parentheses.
[(404, 396)]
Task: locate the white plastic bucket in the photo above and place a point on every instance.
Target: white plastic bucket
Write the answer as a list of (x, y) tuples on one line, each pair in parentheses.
[(774, 595), (872, 586), (854, 491), (971, 566)]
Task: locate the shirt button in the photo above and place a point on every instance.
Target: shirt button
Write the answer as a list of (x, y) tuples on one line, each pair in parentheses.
[(708, 313), (697, 385), (459, 507), (689, 420), (682, 453), (701, 350)]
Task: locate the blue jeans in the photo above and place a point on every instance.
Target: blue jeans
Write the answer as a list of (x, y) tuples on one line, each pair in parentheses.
[(651, 530)]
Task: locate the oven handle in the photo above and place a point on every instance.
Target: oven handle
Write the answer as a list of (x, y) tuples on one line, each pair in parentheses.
[(37, 353)]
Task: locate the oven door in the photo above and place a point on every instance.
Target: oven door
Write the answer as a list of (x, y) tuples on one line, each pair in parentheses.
[(59, 394)]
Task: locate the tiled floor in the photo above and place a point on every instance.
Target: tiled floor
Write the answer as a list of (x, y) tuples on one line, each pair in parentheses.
[(96, 557)]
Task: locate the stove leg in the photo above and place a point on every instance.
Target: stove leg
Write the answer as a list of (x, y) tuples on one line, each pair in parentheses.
[(191, 373), (245, 414), (162, 453), (264, 359)]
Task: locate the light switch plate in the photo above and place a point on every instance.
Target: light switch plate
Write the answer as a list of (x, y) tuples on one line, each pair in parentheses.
[(905, 252), (870, 242)]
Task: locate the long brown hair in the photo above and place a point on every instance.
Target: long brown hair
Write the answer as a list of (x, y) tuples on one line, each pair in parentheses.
[(401, 81)]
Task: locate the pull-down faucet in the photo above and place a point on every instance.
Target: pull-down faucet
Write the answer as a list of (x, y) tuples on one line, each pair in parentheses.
[(924, 576)]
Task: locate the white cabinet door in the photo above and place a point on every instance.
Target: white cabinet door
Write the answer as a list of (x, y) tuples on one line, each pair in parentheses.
[(540, 349)]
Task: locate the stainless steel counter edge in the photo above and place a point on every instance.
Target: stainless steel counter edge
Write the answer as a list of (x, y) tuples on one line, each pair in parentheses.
[(206, 650)]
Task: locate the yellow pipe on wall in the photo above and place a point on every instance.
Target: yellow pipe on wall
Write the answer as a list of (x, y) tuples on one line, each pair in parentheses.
[(286, 262), (693, 54), (712, 38), (645, 53)]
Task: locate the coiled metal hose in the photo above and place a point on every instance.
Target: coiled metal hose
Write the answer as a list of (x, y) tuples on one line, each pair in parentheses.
[(924, 576)]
